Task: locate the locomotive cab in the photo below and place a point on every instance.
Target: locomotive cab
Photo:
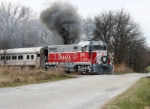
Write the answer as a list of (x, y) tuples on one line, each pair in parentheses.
[(98, 59)]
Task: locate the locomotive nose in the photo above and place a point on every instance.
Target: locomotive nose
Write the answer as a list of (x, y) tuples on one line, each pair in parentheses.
[(101, 57)]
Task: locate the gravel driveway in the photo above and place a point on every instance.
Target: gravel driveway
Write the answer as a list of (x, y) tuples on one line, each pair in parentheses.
[(85, 92)]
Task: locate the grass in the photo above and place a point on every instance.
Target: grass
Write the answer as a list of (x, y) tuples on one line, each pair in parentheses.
[(136, 97), (11, 76)]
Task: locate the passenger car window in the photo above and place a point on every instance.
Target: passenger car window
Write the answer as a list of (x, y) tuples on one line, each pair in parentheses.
[(8, 57), (32, 56), (20, 57), (14, 57), (28, 57)]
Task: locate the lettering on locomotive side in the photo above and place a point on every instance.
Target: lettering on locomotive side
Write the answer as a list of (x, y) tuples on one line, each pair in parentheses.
[(64, 57)]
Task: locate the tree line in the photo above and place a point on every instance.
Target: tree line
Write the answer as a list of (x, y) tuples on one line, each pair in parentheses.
[(20, 27), (124, 38)]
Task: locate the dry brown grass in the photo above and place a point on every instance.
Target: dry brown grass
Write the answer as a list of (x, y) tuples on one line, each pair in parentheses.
[(14, 76), (121, 69)]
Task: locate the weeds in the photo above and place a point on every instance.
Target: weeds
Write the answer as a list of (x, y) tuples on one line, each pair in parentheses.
[(122, 69), (14, 76)]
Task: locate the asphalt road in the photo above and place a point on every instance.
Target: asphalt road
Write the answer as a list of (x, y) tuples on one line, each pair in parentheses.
[(85, 92)]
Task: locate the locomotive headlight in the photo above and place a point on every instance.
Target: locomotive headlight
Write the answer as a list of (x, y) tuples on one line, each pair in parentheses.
[(104, 59)]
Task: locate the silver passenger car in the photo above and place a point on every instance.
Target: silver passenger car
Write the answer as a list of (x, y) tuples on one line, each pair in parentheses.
[(20, 56)]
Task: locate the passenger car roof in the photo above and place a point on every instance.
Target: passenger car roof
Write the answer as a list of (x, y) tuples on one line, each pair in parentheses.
[(21, 50)]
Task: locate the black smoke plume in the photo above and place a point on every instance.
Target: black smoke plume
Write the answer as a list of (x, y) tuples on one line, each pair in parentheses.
[(63, 19)]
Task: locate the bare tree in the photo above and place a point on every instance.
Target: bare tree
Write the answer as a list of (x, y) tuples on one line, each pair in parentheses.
[(12, 17), (3, 51), (44, 35), (88, 28), (19, 23)]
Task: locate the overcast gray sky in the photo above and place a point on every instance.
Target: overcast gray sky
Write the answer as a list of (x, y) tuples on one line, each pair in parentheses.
[(139, 9)]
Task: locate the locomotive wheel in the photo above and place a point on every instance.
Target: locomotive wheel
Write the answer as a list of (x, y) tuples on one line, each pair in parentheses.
[(83, 71), (52, 67)]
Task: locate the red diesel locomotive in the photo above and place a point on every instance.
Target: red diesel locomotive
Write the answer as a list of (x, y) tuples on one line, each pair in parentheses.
[(85, 57)]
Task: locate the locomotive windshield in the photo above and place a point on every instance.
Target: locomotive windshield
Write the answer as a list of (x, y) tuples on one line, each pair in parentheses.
[(99, 47)]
